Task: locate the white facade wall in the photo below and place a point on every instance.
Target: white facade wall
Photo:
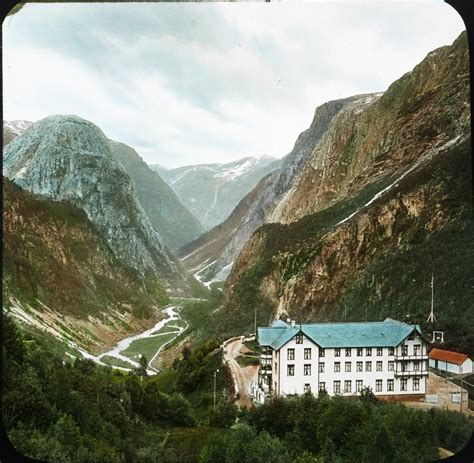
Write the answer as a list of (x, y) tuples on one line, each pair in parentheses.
[(284, 384), (288, 385), (442, 365), (467, 366)]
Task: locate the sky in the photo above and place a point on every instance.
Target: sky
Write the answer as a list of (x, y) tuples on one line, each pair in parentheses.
[(189, 83)]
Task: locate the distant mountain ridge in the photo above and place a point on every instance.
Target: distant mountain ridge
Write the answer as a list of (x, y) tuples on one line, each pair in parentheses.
[(11, 129), (176, 225), (212, 191)]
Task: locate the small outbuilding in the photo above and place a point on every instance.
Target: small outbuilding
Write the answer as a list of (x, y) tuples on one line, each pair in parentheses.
[(452, 362)]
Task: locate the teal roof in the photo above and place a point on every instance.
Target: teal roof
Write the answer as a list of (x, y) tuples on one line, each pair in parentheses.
[(389, 333)]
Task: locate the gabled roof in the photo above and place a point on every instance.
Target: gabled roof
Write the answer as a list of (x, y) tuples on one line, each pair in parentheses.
[(389, 333), (448, 356)]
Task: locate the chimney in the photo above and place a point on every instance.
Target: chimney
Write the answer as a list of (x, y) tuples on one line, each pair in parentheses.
[(293, 323), (288, 320)]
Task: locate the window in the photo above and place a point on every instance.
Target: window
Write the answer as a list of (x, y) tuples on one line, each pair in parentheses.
[(348, 366), (291, 354), (320, 367), (322, 386), (403, 384), (379, 351), (378, 385), (368, 366), (321, 352), (337, 367), (389, 384), (358, 385), (359, 352), (417, 349), (378, 366), (416, 384), (291, 370), (337, 387), (347, 386), (391, 364), (404, 366), (337, 352), (416, 366), (299, 338), (359, 366), (391, 351), (307, 387), (404, 350), (348, 352), (307, 369), (307, 353), (275, 367), (368, 351)]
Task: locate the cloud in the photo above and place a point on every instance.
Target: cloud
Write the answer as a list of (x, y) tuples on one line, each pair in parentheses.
[(184, 83)]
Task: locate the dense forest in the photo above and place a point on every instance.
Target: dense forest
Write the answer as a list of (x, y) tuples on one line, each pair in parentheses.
[(60, 409)]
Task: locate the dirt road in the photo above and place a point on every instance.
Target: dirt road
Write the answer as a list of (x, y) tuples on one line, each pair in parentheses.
[(242, 375)]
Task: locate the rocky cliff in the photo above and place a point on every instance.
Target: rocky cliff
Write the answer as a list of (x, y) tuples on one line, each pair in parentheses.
[(175, 224), (383, 201), (212, 191), (214, 253), (66, 158)]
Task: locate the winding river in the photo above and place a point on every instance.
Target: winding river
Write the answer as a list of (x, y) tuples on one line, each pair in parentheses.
[(172, 314)]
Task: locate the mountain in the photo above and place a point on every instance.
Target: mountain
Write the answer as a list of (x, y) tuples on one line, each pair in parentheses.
[(383, 201), (66, 158), (212, 191), (60, 274), (11, 129), (212, 255), (176, 225)]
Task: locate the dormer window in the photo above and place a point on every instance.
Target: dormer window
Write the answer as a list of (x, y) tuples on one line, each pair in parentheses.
[(299, 338)]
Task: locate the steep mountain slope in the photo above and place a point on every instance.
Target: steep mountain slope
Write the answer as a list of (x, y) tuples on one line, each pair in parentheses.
[(68, 158), (212, 191), (384, 200), (176, 225), (11, 129), (213, 254), (61, 275)]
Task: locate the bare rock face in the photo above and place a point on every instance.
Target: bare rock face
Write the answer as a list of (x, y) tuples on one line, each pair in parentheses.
[(67, 158), (175, 224), (218, 248), (385, 133)]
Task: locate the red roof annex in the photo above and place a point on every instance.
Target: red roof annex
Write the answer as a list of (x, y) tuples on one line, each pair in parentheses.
[(448, 356)]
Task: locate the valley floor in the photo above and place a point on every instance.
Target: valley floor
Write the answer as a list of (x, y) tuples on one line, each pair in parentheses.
[(127, 353)]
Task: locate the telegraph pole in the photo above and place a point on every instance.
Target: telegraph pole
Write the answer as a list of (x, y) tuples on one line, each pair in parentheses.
[(255, 322), (431, 318), (215, 377)]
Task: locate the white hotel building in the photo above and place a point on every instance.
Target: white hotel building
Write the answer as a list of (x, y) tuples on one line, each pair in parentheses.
[(390, 357)]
